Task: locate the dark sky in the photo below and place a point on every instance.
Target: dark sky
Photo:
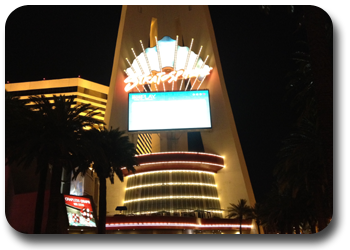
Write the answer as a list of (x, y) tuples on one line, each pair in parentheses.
[(255, 51)]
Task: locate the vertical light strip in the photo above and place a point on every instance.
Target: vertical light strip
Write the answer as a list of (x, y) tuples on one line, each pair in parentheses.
[(128, 76), (134, 72), (175, 58), (155, 85), (159, 59), (193, 67), (194, 82), (203, 64), (147, 61), (146, 57), (131, 66), (175, 54), (138, 62), (201, 82), (188, 82), (195, 61), (140, 67), (189, 54), (188, 57)]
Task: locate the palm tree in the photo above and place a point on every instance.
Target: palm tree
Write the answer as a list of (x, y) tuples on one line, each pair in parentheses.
[(304, 170), (257, 213), (52, 142), (240, 211), (110, 151), (320, 40), (19, 123)]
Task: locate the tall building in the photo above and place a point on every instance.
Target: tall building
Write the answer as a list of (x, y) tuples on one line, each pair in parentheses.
[(86, 91), (174, 190), (23, 193), (171, 182)]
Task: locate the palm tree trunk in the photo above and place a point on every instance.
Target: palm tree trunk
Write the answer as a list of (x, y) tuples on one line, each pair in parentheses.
[(55, 203), (258, 224), (240, 225), (39, 207), (102, 207)]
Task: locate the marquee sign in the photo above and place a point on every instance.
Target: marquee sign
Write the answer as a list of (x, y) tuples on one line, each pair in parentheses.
[(166, 63)]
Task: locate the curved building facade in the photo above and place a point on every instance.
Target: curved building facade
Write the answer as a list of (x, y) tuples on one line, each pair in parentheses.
[(174, 183)]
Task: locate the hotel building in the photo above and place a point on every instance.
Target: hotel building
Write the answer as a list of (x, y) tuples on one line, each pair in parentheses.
[(174, 190), (84, 90), (183, 190)]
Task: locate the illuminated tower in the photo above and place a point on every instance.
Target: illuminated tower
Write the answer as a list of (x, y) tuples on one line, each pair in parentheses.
[(190, 26)]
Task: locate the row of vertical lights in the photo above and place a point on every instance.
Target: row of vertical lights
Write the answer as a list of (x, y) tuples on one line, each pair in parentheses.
[(172, 184), (173, 197), (191, 225), (160, 65), (181, 152), (170, 171)]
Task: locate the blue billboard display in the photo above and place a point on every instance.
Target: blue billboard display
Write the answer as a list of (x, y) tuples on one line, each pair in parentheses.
[(175, 110)]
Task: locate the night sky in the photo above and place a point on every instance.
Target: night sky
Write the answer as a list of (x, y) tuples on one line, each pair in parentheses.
[(255, 51)]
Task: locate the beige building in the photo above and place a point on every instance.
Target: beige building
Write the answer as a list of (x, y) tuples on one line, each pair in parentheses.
[(170, 181), (86, 91), (191, 26)]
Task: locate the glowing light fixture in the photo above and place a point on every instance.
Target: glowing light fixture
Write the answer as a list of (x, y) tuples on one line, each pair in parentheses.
[(172, 184), (182, 162), (166, 62), (174, 224), (181, 152), (169, 171), (173, 197)]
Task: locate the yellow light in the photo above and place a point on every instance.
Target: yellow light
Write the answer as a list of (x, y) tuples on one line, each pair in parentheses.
[(195, 61), (138, 62), (146, 57), (158, 52), (201, 82), (172, 184), (203, 64), (186, 64), (169, 171), (181, 152), (131, 65), (175, 54), (182, 162), (173, 197)]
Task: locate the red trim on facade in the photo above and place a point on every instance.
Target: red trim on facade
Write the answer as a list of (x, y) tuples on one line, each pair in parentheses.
[(178, 160), (158, 222)]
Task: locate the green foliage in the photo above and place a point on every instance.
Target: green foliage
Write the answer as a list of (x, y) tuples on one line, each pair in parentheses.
[(301, 197), (109, 151), (240, 211)]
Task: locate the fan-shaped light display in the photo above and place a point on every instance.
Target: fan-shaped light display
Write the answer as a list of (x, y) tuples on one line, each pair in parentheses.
[(166, 63)]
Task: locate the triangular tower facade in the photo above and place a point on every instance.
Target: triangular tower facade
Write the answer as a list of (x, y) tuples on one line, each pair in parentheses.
[(187, 22)]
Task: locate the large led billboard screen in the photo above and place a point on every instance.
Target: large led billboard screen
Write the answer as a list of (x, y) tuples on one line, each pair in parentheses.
[(175, 110)]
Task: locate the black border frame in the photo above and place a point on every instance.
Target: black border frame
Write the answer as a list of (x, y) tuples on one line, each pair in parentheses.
[(171, 130)]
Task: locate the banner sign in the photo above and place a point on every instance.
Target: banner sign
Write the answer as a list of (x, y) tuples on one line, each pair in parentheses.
[(79, 211)]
